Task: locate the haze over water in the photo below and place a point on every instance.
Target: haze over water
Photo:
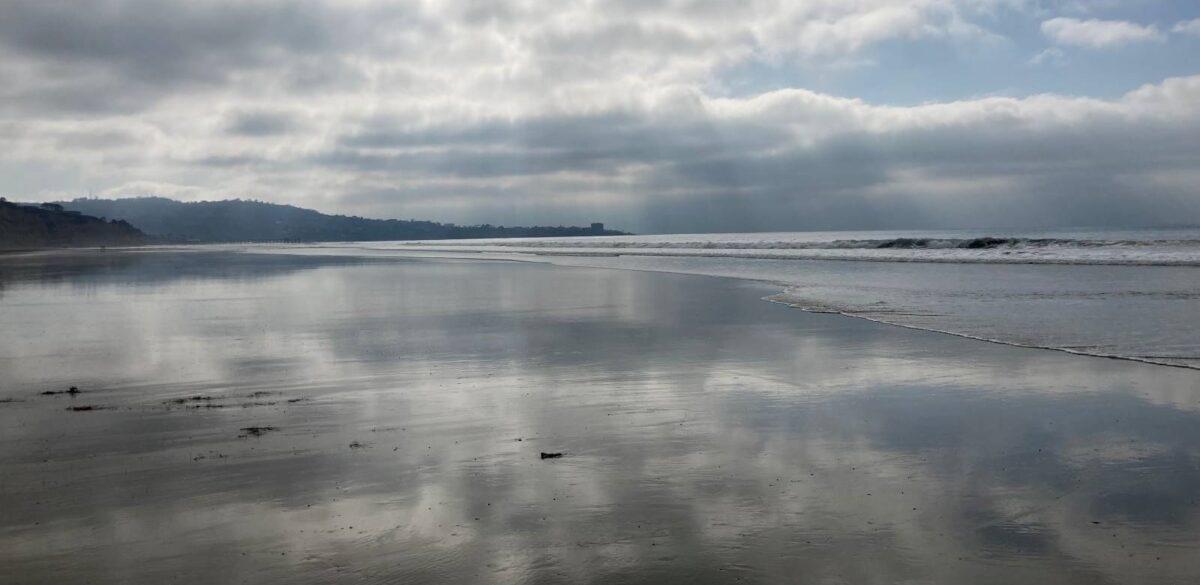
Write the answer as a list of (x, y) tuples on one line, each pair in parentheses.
[(299, 418)]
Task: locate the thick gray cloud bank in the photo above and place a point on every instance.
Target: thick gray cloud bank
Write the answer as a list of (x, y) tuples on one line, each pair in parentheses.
[(508, 111)]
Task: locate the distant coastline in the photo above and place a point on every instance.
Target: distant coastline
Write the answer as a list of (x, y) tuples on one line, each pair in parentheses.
[(169, 221)]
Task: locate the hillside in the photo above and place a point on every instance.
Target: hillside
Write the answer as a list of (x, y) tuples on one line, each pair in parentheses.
[(26, 227), (241, 221)]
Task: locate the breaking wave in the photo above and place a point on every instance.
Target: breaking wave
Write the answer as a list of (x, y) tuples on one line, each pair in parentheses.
[(981, 249), (979, 243)]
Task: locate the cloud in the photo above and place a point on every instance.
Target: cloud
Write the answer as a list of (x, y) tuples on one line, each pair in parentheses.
[(1051, 56), (1187, 27), (511, 112), (261, 123), (1098, 34), (798, 158)]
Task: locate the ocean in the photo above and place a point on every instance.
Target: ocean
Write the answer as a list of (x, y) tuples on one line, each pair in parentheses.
[(1129, 294)]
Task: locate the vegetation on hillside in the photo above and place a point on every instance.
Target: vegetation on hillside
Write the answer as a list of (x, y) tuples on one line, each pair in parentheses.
[(242, 221), (30, 226)]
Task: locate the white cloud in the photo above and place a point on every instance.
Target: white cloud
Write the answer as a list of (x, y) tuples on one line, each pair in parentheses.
[(1051, 56), (517, 112), (1187, 27), (1098, 34)]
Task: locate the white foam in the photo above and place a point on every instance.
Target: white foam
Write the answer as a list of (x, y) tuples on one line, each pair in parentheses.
[(1147, 248)]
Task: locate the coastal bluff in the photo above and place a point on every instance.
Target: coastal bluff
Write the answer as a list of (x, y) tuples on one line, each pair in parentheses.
[(31, 227)]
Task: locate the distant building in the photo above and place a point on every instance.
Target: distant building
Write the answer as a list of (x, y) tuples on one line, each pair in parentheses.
[(597, 227)]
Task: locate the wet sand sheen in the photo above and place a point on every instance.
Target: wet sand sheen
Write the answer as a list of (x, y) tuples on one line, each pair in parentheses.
[(308, 419)]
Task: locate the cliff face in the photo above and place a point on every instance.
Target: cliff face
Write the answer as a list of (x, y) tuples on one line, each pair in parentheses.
[(26, 227)]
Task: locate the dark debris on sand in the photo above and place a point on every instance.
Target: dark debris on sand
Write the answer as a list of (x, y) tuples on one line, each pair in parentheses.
[(86, 408), (189, 399), (71, 391), (256, 431), (204, 401), (546, 455)]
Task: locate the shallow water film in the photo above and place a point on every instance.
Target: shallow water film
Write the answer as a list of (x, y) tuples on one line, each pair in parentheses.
[(292, 419)]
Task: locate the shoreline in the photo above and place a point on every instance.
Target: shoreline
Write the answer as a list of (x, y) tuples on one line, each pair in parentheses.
[(782, 297), (799, 306)]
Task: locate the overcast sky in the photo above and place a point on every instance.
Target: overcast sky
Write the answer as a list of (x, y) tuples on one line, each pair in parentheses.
[(651, 115)]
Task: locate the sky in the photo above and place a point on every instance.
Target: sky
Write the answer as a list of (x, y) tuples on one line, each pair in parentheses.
[(648, 115)]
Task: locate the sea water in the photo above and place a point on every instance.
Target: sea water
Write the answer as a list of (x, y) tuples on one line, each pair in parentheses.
[(1132, 294)]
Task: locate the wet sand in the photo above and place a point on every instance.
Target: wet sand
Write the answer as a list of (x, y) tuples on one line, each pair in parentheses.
[(289, 419)]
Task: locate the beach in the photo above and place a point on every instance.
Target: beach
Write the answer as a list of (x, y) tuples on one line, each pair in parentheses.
[(337, 416)]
